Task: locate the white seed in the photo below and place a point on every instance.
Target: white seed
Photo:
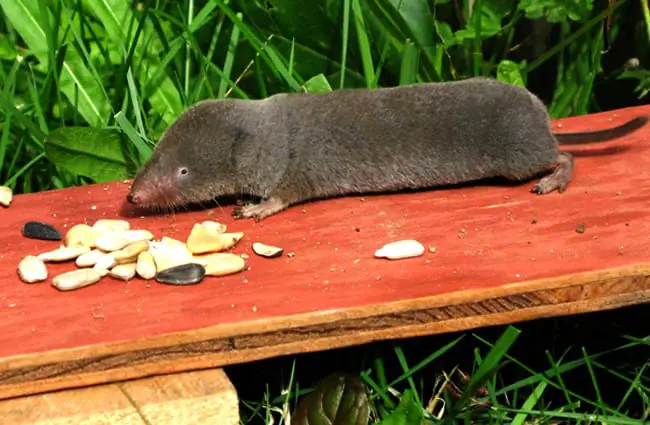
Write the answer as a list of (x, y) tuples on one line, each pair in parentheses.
[(210, 237), (214, 226), (106, 225), (145, 266), (172, 243), (91, 258), (400, 249), (80, 235), (76, 279), (125, 272), (117, 240), (31, 269), (6, 196), (201, 240), (63, 253), (169, 253), (229, 240), (129, 254), (220, 264), (111, 241), (105, 263), (137, 235), (268, 251)]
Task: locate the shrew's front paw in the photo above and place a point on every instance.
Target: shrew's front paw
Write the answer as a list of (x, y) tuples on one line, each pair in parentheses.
[(259, 211)]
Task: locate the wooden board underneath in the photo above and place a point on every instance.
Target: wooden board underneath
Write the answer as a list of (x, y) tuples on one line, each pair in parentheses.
[(191, 398), (502, 255)]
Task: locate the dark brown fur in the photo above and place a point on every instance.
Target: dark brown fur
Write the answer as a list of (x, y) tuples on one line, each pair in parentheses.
[(291, 148)]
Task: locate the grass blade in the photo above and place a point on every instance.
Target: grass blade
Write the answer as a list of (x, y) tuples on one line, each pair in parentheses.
[(487, 367), (344, 43), (230, 58)]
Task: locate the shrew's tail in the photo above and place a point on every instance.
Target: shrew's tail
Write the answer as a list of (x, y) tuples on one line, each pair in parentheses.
[(602, 135)]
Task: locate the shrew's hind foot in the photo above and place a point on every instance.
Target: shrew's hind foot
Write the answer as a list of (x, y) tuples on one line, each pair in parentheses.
[(259, 211), (560, 177)]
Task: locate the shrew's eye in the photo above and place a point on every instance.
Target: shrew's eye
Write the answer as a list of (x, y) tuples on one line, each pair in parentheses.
[(183, 171)]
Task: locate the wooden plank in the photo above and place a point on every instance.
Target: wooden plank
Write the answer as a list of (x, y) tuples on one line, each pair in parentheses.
[(191, 398), (492, 266)]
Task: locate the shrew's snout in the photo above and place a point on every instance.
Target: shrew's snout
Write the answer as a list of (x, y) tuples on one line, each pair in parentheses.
[(133, 198)]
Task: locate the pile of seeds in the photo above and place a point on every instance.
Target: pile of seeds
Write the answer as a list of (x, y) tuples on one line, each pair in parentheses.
[(112, 247)]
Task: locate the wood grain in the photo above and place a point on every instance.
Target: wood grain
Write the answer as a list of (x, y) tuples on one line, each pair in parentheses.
[(191, 398), (502, 255)]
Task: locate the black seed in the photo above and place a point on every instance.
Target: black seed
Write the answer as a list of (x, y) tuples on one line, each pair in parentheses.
[(37, 230), (185, 274)]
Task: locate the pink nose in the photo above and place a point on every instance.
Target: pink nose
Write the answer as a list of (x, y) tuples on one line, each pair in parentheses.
[(133, 199)]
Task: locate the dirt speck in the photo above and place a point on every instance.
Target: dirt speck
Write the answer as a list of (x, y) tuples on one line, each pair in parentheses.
[(580, 228)]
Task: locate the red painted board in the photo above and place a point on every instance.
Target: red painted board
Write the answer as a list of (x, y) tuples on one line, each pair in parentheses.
[(486, 237)]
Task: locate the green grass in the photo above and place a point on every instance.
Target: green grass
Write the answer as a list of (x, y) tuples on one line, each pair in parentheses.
[(134, 67), (474, 378)]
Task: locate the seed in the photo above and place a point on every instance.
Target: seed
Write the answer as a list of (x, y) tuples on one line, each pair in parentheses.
[(106, 225), (38, 230), (91, 258), (145, 266), (63, 253), (31, 269), (105, 263), (172, 243), (229, 240), (223, 263), (6, 196), (130, 252), (117, 240), (267, 251), (214, 226), (209, 236), (137, 235), (169, 253), (76, 279), (184, 274), (111, 241), (201, 240), (206, 238), (80, 235), (400, 249), (125, 272)]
